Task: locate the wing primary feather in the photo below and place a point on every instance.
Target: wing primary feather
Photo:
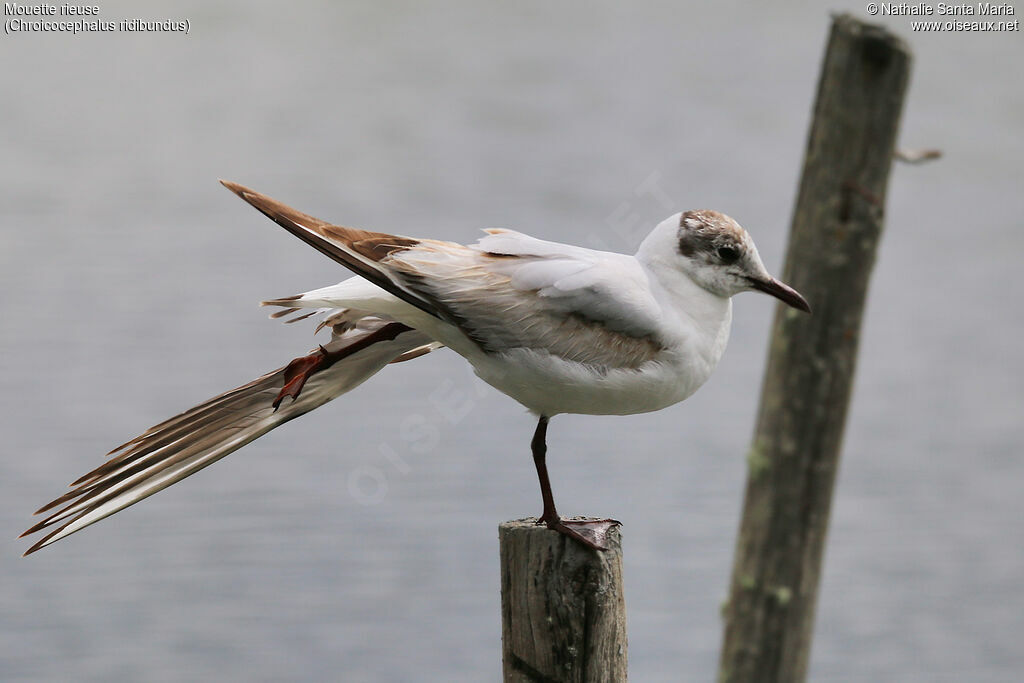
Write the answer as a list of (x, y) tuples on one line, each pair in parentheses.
[(359, 251), (331, 240), (188, 442)]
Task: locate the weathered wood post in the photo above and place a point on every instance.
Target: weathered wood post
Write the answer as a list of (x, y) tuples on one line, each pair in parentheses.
[(563, 614), (793, 460)]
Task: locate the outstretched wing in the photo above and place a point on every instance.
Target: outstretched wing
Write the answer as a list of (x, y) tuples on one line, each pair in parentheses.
[(186, 443), (508, 291), (361, 251)]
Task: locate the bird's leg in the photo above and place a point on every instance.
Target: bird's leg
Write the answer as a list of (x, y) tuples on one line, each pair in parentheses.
[(302, 368), (540, 450), (591, 533), (297, 372)]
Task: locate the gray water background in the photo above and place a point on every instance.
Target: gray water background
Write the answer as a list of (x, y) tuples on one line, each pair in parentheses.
[(129, 279)]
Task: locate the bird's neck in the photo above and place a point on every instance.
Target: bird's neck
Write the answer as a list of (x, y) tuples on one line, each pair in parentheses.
[(702, 318)]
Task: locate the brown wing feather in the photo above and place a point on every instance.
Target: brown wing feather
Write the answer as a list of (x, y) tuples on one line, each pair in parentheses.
[(328, 239), (188, 442), (339, 243)]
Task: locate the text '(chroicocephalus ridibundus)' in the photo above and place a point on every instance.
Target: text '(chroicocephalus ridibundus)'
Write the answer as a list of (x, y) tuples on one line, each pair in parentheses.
[(561, 329)]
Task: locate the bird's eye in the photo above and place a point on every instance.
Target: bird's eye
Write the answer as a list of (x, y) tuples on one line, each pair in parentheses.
[(728, 255)]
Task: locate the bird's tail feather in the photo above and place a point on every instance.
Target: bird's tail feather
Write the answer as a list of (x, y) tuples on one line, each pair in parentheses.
[(186, 443)]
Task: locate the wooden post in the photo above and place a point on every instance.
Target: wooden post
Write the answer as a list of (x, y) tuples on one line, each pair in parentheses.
[(836, 228), (563, 615)]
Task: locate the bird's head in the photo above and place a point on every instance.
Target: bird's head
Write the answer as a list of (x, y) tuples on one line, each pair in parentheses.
[(718, 255)]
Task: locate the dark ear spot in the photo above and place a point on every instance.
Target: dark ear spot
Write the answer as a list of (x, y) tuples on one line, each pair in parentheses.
[(687, 243)]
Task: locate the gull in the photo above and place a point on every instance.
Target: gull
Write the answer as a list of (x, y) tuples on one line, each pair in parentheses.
[(559, 328)]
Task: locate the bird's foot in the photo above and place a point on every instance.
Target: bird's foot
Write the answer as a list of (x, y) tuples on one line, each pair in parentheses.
[(297, 372), (592, 533)]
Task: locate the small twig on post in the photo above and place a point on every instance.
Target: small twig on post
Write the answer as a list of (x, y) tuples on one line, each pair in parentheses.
[(563, 614), (917, 156), (836, 228)]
